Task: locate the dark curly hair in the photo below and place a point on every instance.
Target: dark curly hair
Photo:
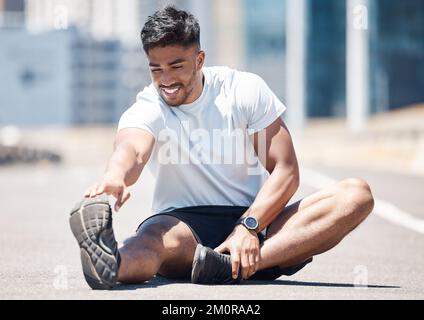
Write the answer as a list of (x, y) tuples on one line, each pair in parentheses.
[(170, 26)]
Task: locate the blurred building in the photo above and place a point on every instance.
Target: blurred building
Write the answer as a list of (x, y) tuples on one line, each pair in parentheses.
[(265, 45), (398, 54), (12, 13), (74, 61), (326, 58), (101, 19), (102, 66), (74, 81)]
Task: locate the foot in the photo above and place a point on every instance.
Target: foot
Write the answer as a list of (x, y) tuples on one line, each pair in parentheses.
[(211, 267), (91, 224)]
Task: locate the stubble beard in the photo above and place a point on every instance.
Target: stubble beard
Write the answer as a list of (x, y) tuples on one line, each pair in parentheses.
[(186, 94)]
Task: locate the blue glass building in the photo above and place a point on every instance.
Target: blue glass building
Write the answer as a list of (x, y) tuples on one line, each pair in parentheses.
[(396, 39)]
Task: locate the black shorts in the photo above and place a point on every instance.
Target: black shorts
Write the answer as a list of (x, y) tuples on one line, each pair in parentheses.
[(211, 225)]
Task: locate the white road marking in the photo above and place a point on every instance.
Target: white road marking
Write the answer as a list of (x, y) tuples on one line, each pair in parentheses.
[(382, 208)]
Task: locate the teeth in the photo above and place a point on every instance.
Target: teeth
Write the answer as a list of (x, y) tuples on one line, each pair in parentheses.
[(170, 91)]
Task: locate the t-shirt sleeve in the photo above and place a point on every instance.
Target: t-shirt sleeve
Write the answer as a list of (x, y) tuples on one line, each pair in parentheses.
[(260, 105), (144, 114)]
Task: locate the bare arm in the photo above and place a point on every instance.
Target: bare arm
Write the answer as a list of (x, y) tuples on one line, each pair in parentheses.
[(132, 149), (280, 161)]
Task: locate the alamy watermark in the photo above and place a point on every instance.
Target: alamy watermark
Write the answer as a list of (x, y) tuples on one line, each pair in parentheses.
[(360, 17), (219, 146), (60, 281), (361, 277), (60, 17)]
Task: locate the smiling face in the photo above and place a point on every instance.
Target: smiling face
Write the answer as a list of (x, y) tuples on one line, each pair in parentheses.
[(176, 73)]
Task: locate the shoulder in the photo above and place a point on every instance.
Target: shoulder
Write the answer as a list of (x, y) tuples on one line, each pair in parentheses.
[(249, 88), (239, 84), (249, 84), (218, 73), (227, 75), (220, 76)]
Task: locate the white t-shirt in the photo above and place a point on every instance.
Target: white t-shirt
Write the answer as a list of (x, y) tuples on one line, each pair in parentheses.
[(202, 153)]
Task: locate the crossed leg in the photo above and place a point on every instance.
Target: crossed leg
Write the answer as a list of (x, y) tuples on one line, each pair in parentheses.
[(165, 245), (316, 223)]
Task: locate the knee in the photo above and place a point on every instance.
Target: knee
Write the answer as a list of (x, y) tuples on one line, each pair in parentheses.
[(152, 235), (358, 196), (148, 239), (159, 233), (141, 246)]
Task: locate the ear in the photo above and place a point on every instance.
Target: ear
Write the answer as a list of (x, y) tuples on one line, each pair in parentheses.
[(200, 60)]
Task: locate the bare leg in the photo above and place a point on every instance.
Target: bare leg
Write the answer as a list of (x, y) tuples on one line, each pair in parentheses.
[(316, 224), (162, 245)]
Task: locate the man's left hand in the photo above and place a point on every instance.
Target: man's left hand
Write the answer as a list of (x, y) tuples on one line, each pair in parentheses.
[(243, 246)]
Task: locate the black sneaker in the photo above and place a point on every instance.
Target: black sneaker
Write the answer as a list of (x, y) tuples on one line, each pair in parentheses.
[(91, 224), (211, 267), (276, 272)]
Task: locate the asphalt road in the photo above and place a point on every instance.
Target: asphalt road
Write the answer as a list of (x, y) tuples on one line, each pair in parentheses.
[(40, 257)]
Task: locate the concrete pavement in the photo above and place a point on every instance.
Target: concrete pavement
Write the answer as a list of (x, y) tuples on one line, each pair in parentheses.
[(41, 257)]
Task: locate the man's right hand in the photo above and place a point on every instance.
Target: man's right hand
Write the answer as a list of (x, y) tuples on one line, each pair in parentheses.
[(110, 185), (132, 149)]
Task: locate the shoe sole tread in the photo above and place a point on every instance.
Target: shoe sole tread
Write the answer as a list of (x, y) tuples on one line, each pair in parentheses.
[(88, 219)]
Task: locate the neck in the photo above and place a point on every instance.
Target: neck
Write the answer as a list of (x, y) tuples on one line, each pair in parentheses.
[(198, 88)]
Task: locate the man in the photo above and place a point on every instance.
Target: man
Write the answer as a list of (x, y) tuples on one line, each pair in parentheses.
[(225, 169)]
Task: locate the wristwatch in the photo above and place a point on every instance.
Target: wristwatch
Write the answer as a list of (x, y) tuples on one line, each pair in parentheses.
[(250, 223)]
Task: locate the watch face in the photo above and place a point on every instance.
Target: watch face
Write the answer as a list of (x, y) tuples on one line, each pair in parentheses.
[(251, 223)]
